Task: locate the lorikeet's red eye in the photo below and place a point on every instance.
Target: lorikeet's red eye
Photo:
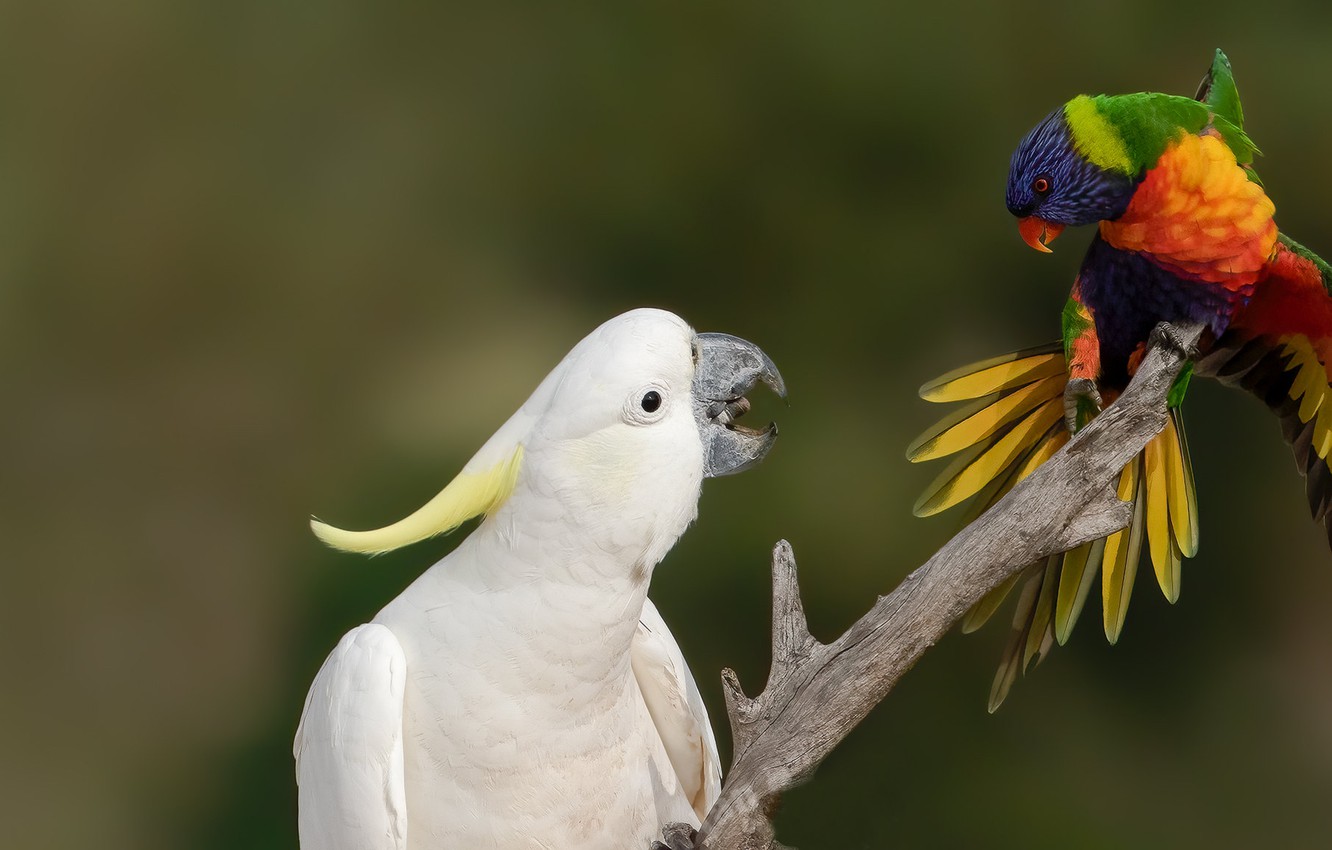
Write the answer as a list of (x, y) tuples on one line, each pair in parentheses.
[(1041, 185)]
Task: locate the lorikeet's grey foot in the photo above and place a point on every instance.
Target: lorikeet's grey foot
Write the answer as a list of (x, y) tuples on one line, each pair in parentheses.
[(1082, 401), (677, 836), (1165, 334)]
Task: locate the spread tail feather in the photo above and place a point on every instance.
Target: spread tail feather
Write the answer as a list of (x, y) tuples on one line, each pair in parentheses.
[(1279, 348), (1288, 375), (1014, 427)]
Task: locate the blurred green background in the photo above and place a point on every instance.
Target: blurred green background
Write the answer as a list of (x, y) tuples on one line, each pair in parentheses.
[(265, 258)]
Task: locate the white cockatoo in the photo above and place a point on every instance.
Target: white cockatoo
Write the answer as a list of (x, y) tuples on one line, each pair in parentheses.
[(524, 692)]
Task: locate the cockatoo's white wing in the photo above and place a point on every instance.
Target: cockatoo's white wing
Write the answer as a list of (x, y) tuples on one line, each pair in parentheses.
[(348, 748), (677, 709)]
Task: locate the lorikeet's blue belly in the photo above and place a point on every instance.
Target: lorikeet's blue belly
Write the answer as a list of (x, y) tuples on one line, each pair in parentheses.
[(1129, 295)]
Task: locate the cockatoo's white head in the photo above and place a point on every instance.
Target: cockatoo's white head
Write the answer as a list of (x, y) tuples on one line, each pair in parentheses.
[(617, 439)]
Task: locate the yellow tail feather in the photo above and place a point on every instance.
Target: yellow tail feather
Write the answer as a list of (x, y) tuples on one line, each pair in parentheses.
[(1075, 582), (1120, 566), (1311, 398), (1012, 427), (1322, 440), (1182, 496), (965, 478), (997, 373), (981, 612), (982, 420), (1040, 632), (1011, 663), (1049, 443), (1160, 544)]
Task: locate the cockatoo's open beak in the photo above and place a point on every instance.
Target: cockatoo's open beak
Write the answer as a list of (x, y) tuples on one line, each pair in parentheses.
[(1039, 233), (728, 367)]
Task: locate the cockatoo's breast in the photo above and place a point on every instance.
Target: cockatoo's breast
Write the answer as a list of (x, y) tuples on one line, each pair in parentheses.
[(527, 724)]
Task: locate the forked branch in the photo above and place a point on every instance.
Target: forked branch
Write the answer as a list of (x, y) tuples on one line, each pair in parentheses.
[(816, 693)]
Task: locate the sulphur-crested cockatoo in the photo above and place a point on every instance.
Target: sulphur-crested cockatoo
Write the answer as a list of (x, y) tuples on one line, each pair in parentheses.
[(524, 692)]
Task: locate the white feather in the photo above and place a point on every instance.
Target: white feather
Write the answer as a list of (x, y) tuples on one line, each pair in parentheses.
[(677, 709), (348, 748)]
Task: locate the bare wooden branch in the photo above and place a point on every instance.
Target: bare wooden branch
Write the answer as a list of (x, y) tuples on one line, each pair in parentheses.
[(817, 693)]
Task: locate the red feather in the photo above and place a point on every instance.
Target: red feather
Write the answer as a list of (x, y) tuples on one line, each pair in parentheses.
[(1291, 300)]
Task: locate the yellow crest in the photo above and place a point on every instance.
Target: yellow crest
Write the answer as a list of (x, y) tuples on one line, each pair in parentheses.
[(469, 494)]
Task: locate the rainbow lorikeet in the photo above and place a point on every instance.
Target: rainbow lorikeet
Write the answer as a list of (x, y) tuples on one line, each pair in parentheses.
[(1185, 233)]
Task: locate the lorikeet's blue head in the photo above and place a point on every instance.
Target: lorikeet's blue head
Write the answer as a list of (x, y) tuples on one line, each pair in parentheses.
[(1052, 183)]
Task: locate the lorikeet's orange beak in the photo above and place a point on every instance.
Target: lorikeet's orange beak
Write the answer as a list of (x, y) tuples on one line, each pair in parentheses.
[(1037, 232)]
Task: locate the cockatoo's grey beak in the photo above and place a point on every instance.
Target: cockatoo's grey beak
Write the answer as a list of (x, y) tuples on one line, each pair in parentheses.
[(726, 368)]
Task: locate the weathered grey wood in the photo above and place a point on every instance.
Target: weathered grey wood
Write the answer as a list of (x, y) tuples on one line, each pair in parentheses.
[(817, 693)]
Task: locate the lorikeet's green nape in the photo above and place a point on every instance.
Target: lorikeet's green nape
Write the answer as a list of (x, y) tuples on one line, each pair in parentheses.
[(1185, 233)]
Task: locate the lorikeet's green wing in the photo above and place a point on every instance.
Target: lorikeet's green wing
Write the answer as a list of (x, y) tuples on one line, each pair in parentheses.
[(1013, 423), (1218, 91), (1280, 349)]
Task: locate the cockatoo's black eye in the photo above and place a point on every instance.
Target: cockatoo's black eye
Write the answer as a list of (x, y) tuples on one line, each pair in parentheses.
[(646, 404), (1042, 185)]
